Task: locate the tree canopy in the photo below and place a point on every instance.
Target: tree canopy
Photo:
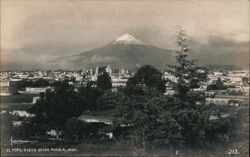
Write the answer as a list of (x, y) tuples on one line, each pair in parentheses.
[(219, 85), (153, 118), (103, 80), (150, 124), (144, 116), (89, 96), (56, 106), (146, 77), (189, 75)]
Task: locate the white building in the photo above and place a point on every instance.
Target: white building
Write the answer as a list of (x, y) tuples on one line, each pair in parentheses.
[(168, 76), (96, 119), (4, 83), (109, 70), (21, 113), (225, 100), (119, 82), (35, 99), (4, 88), (35, 90)]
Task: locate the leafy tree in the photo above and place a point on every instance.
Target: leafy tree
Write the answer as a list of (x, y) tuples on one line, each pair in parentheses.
[(89, 95), (150, 118), (218, 131), (108, 100), (217, 86), (245, 80), (220, 84), (157, 119), (57, 106), (145, 77), (41, 83), (74, 128), (188, 102), (148, 122), (32, 127), (15, 86), (6, 127), (192, 122), (190, 112), (103, 80)]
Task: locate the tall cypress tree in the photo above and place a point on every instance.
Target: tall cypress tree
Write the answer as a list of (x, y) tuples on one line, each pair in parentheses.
[(190, 116), (189, 75)]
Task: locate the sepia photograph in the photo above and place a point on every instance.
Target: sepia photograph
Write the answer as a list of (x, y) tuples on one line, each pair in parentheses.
[(124, 78)]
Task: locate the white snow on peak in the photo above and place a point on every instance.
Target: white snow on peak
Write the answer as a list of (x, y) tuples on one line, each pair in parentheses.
[(128, 39)]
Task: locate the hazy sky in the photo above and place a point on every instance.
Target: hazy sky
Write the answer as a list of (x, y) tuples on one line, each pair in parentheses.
[(34, 32)]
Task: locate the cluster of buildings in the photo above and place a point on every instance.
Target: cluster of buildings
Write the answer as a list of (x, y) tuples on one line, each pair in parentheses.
[(237, 91), (77, 78), (237, 82), (236, 94), (119, 77)]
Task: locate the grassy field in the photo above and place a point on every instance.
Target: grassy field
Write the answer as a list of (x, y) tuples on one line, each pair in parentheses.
[(22, 98), (100, 113), (17, 106), (17, 102)]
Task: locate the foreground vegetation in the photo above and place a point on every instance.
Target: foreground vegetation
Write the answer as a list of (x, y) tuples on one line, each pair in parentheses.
[(145, 120)]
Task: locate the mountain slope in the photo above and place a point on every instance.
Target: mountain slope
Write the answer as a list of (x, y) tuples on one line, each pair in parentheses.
[(126, 51)]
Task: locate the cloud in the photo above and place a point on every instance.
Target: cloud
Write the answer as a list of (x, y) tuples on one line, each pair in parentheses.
[(222, 51), (31, 30)]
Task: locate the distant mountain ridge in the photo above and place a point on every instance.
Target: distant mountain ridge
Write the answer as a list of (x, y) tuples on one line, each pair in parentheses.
[(126, 51)]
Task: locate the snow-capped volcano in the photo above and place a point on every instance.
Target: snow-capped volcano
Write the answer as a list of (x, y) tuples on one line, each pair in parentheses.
[(126, 51), (128, 39)]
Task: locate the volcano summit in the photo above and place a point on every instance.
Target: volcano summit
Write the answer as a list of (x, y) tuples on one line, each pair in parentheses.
[(128, 39), (126, 51)]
